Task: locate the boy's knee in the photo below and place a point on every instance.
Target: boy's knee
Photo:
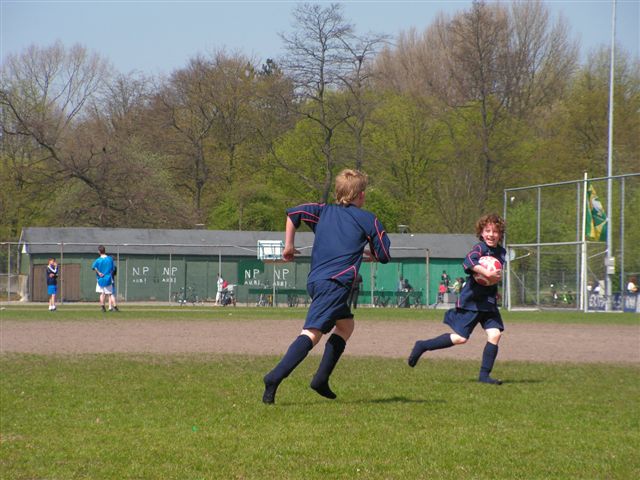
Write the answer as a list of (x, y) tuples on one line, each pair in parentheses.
[(458, 340), (345, 328), (493, 335), (313, 334)]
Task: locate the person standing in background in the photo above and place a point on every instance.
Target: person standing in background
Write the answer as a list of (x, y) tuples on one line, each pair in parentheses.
[(355, 291), (103, 266), (220, 288), (113, 304), (52, 283)]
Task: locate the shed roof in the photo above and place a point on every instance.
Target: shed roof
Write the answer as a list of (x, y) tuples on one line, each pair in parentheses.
[(50, 240)]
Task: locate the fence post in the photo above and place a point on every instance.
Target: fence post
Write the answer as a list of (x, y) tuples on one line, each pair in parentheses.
[(8, 272), (427, 276), (170, 278), (61, 274)]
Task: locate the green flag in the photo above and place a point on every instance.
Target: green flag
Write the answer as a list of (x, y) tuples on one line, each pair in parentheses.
[(596, 228)]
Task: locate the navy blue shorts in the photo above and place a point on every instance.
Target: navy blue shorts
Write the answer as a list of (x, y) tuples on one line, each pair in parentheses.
[(329, 302), (464, 321)]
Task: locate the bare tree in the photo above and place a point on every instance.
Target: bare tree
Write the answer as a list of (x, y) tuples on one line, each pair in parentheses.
[(43, 94), (206, 113), (488, 66), (123, 103), (318, 61), (60, 128), (358, 85), (184, 123)]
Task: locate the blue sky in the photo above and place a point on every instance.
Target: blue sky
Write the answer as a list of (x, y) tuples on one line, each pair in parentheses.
[(157, 37)]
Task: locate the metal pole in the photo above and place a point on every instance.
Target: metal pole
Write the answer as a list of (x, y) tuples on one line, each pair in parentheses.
[(609, 267), (578, 197), (538, 251), (506, 297), (622, 282), (126, 279), (119, 271), (171, 278), (61, 273), (372, 276), (584, 300), (428, 276), (8, 272)]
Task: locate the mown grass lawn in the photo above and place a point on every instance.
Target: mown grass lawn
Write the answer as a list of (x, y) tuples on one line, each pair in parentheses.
[(193, 417), (83, 312)]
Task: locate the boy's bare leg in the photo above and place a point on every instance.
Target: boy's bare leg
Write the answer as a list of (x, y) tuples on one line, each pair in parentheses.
[(332, 352), (112, 303)]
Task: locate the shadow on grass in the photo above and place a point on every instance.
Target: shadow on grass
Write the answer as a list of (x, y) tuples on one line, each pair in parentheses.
[(396, 399), (383, 400), (523, 381)]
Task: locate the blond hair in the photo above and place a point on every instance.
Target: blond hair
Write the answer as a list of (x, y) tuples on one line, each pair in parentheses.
[(349, 184)]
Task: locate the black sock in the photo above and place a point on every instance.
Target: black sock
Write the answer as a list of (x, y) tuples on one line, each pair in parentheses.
[(297, 352), (443, 341), (421, 346), (332, 351), (488, 358)]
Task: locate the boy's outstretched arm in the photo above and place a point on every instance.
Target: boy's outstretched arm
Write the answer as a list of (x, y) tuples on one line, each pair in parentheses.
[(379, 244), (289, 241)]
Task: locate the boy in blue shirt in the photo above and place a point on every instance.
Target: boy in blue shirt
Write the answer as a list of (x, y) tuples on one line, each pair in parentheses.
[(52, 283), (342, 231), (476, 303), (103, 266)]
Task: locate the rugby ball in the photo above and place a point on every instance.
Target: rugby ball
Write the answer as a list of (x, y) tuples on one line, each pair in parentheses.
[(490, 263)]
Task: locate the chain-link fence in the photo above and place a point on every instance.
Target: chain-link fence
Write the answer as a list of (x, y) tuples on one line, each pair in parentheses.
[(187, 274), (11, 282), (553, 263)]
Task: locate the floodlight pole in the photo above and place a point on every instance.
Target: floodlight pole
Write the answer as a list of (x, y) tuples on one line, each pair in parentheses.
[(608, 264)]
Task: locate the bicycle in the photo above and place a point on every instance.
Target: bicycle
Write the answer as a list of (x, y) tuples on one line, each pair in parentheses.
[(228, 296), (184, 296), (264, 300)]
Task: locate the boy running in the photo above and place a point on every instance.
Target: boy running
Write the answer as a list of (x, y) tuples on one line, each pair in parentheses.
[(476, 303), (342, 231)]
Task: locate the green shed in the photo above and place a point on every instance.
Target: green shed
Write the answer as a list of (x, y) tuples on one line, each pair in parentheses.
[(163, 264)]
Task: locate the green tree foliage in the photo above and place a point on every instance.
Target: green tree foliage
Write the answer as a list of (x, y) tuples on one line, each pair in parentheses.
[(586, 116), (442, 121)]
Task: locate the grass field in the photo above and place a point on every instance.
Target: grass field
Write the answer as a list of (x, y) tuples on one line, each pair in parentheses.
[(200, 416), (83, 312), (117, 417)]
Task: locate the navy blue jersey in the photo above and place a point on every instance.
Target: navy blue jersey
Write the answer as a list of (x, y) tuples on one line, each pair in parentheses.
[(341, 234), (52, 280), (474, 296)]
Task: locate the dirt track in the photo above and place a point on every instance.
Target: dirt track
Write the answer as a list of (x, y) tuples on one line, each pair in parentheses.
[(524, 342)]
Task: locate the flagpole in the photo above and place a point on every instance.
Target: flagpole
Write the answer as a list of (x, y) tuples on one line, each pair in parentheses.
[(584, 301), (608, 264)]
